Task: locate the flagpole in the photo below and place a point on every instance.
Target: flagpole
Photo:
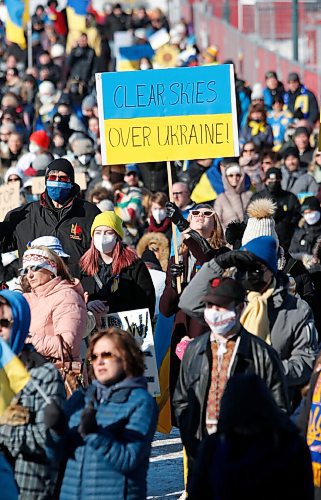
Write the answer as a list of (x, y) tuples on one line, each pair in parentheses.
[(29, 41)]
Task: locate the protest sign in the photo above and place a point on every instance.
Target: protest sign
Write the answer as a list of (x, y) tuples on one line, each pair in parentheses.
[(138, 324), (38, 183), (168, 114), (9, 198), (159, 38)]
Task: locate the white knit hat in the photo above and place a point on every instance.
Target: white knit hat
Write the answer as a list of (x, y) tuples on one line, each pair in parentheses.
[(260, 222)]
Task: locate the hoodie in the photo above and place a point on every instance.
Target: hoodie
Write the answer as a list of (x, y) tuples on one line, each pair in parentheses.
[(21, 319)]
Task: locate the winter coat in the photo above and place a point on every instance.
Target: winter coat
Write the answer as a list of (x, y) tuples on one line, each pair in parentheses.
[(157, 241), (298, 182), (184, 325), (287, 215), (191, 394), (57, 308), (253, 460), (154, 176), (264, 138), (71, 224), (304, 239), (111, 463), (25, 444), (231, 205), (269, 95), (302, 103), (81, 63), (132, 289), (293, 332)]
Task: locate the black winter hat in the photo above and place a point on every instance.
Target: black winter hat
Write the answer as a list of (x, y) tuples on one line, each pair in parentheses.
[(311, 203), (291, 152), (63, 165), (274, 173)]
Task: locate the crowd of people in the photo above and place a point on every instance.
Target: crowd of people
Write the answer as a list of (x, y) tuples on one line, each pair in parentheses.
[(241, 301)]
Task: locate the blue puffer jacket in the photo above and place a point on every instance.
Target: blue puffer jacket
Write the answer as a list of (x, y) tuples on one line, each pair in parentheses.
[(111, 464)]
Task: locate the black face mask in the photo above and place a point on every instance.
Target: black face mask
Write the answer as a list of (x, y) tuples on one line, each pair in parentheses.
[(253, 280), (274, 187), (116, 177)]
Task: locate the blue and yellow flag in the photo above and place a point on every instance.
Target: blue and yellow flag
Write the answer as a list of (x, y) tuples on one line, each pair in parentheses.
[(18, 16), (13, 375), (76, 16)]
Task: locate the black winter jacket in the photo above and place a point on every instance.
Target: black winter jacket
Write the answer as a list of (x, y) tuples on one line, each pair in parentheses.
[(134, 288), (71, 224), (304, 239), (253, 355), (287, 214)]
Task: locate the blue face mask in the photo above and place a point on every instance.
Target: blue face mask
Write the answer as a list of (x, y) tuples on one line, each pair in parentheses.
[(59, 191), (31, 197)]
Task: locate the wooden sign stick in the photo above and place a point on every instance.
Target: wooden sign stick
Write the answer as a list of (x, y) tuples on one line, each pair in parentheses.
[(171, 197)]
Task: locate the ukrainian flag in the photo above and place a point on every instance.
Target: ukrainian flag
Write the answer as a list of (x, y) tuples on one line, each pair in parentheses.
[(13, 375), (162, 341), (18, 16), (76, 16)]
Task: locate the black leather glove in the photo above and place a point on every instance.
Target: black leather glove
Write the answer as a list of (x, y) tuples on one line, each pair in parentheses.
[(55, 418), (241, 259), (88, 422), (176, 271), (176, 216)]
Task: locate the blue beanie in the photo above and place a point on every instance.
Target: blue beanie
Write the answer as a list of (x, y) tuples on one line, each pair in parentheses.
[(264, 248), (21, 319)]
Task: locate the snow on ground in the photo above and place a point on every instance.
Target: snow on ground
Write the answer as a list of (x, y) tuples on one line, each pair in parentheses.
[(165, 475)]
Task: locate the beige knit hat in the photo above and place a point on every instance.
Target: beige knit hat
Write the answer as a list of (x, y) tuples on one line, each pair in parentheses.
[(260, 222)]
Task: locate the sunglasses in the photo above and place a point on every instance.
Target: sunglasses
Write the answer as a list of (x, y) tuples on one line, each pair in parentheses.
[(248, 150), (104, 356), (6, 323), (206, 213), (234, 175), (61, 178), (24, 270)]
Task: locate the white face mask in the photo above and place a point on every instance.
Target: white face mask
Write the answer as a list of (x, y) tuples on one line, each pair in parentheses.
[(159, 214), (84, 159), (46, 99), (312, 217), (220, 322), (33, 148), (105, 243)]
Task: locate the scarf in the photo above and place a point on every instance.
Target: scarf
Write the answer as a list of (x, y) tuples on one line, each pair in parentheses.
[(257, 127), (158, 228), (255, 317), (313, 433)]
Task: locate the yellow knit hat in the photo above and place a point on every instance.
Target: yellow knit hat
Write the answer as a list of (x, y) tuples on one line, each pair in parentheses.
[(109, 219)]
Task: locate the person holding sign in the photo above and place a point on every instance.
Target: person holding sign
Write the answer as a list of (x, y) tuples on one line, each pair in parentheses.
[(113, 275), (59, 212)]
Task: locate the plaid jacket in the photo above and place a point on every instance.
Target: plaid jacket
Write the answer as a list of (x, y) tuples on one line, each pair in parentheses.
[(34, 474)]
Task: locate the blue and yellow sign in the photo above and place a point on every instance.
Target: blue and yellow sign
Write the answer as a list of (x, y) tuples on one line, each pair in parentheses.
[(168, 114)]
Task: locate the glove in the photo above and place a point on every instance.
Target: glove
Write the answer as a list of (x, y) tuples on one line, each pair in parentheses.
[(176, 271), (55, 418), (176, 216), (88, 422), (236, 258)]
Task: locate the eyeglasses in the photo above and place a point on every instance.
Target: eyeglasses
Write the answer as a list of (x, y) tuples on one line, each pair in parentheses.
[(179, 193), (206, 213), (24, 270), (5, 323), (248, 150), (104, 356), (61, 178)]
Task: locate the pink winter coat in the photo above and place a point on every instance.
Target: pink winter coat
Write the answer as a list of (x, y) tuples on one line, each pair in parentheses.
[(57, 308), (231, 205)]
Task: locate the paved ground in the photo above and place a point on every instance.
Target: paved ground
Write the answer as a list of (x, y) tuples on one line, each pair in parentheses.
[(165, 475)]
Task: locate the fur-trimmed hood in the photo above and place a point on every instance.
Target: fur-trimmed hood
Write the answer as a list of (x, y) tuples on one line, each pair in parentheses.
[(155, 241)]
